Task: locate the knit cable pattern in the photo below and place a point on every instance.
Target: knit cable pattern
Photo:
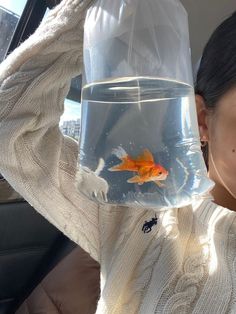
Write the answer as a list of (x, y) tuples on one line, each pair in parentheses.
[(187, 286), (137, 287), (34, 157)]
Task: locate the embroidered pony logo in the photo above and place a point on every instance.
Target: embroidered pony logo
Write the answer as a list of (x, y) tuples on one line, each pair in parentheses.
[(147, 226)]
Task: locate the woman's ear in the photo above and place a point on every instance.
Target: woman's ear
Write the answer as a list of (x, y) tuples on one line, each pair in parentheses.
[(202, 115)]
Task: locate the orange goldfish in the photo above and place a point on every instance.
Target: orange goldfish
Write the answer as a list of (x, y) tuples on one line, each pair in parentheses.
[(145, 166)]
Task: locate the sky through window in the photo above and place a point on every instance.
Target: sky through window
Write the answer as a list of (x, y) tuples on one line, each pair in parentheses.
[(15, 6)]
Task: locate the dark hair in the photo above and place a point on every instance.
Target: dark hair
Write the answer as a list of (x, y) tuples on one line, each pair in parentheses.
[(217, 71)]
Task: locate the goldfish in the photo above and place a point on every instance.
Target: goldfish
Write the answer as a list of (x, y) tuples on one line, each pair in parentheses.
[(144, 164)]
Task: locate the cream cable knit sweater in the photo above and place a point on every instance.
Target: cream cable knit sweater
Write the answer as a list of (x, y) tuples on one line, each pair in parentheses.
[(186, 264)]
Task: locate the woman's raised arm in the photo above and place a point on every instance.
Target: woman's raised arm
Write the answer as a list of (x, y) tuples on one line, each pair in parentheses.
[(36, 159)]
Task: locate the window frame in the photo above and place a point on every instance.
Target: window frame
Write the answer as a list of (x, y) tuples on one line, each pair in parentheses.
[(30, 19)]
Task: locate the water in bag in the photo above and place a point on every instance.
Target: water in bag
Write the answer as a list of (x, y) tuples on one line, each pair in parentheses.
[(127, 117), (139, 142)]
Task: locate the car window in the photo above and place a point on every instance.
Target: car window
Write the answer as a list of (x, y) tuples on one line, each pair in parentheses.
[(10, 12)]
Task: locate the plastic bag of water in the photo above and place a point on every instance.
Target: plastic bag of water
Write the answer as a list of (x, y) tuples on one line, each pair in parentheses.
[(139, 143)]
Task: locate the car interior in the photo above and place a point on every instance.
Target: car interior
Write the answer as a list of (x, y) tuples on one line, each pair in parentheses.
[(30, 247)]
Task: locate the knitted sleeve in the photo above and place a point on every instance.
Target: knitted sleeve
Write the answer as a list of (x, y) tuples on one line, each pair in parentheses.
[(36, 159)]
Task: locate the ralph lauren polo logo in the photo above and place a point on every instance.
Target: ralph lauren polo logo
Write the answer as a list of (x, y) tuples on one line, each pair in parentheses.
[(147, 226)]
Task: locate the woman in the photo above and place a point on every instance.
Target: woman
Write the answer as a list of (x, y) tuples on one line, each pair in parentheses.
[(187, 262), (215, 99)]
